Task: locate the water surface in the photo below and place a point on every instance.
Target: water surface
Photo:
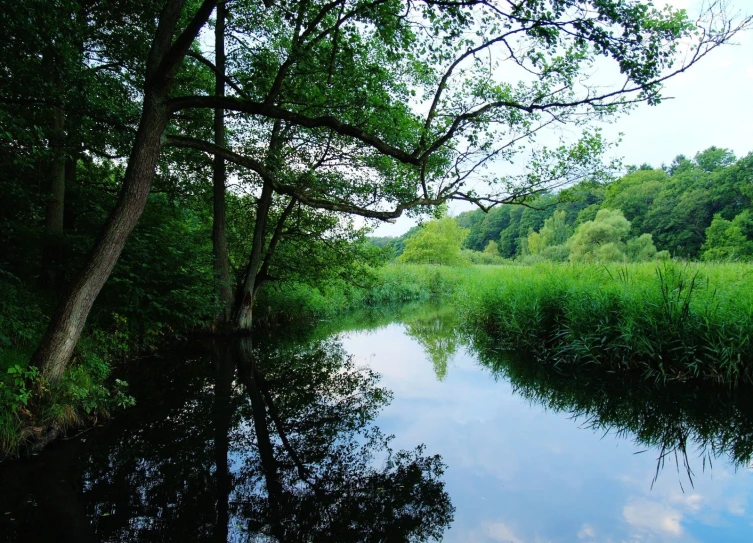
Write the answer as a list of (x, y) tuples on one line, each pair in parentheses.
[(391, 427)]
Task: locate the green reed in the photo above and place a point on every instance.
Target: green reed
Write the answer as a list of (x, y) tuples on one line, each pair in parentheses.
[(671, 321)]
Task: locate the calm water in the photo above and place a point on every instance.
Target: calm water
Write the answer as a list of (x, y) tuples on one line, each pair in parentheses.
[(391, 431)]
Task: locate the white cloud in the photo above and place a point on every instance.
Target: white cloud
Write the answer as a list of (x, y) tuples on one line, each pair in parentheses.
[(652, 516), (586, 531), (690, 502), (499, 531)]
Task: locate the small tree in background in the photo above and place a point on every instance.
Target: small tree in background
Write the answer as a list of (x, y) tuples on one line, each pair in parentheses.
[(603, 240), (438, 242), (600, 238), (726, 240)]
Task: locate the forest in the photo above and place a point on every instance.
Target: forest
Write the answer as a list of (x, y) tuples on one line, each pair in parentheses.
[(181, 167), (693, 209)]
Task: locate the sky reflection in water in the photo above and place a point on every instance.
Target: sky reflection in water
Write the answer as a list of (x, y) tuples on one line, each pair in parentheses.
[(520, 473), (518, 470)]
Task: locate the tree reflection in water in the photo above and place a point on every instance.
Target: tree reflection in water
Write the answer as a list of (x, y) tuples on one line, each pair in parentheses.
[(678, 420), (277, 444), (436, 330)]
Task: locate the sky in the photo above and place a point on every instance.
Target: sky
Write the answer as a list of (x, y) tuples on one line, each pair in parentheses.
[(710, 104)]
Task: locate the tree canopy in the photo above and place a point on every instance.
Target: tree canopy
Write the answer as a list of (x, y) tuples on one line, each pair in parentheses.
[(359, 107)]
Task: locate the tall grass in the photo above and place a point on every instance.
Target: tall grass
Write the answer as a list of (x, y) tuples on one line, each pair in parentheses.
[(392, 284), (671, 321)]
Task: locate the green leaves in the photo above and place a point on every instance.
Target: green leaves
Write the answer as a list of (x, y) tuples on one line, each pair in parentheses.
[(437, 242)]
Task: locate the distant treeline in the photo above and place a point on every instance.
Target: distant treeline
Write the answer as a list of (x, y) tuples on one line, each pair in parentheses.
[(694, 208)]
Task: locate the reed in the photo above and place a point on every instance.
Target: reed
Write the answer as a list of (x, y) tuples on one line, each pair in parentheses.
[(671, 321)]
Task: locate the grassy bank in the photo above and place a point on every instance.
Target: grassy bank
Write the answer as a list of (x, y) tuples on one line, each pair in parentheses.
[(670, 321), (388, 285)]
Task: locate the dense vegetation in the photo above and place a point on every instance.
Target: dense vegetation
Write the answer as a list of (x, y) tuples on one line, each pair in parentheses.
[(697, 209), (156, 184)]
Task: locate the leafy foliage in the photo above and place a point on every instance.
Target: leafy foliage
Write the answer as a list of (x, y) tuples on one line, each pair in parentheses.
[(438, 242)]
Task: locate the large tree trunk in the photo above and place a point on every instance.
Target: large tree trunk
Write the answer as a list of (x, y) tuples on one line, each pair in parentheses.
[(66, 325), (65, 328), (219, 237)]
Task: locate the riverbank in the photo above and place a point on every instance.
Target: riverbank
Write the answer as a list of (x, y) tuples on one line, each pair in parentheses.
[(34, 412), (671, 321), (668, 321)]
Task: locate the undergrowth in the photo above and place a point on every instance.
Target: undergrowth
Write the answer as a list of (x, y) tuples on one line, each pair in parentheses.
[(29, 406)]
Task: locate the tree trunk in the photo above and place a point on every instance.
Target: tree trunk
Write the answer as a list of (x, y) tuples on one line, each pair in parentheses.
[(245, 299), (53, 220), (219, 237), (65, 328), (66, 325)]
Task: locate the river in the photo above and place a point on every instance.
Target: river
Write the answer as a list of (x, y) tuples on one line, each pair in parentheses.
[(393, 426)]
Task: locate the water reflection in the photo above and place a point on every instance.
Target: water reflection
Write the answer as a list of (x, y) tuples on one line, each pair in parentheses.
[(677, 420), (436, 330), (277, 441), (261, 444)]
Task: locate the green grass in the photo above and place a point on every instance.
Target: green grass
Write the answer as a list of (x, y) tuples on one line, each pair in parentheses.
[(670, 321), (389, 285)]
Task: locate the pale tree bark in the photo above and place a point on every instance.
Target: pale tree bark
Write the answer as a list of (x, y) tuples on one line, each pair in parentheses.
[(67, 323), (245, 297), (219, 236)]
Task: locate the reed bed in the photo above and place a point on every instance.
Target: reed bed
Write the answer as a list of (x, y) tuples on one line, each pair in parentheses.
[(671, 321)]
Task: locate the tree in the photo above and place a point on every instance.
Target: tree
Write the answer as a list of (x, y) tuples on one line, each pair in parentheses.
[(642, 249), (438, 242), (714, 158), (725, 240), (219, 178), (555, 231), (600, 239), (472, 116), (634, 194)]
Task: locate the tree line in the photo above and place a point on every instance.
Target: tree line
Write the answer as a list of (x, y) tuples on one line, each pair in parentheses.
[(697, 208)]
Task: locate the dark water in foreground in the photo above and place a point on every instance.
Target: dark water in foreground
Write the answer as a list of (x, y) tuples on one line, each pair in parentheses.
[(393, 430)]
